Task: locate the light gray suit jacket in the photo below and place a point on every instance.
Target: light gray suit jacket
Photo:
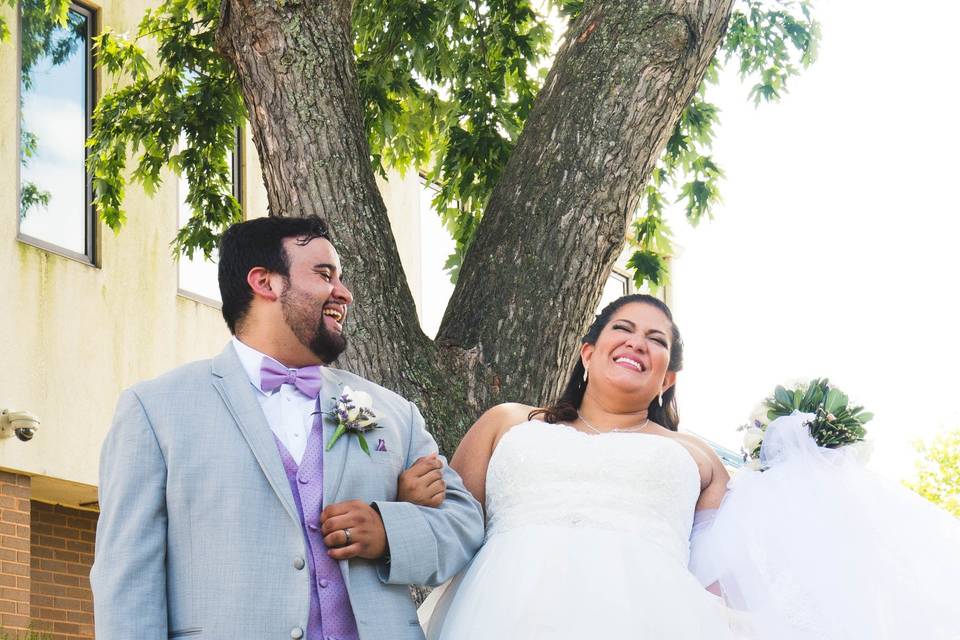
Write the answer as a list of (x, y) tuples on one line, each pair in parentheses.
[(199, 535)]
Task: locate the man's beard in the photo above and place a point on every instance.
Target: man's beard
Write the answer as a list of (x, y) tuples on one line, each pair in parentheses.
[(307, 323)]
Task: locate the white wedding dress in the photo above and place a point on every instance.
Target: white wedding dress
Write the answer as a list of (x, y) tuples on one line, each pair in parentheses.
[(587, 537)]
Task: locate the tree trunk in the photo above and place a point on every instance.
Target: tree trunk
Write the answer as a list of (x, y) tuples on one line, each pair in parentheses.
[(557, 220), (553, 226)]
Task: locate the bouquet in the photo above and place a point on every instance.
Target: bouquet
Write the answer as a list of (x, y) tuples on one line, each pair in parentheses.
[(835, 422)]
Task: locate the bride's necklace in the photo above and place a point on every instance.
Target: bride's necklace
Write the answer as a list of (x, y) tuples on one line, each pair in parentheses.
[(624, 430)]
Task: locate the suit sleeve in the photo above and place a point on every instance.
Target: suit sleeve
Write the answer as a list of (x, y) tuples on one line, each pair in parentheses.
[(129, 570), (428, 545)]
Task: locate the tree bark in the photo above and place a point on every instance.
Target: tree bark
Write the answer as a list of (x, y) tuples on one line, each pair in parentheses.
[(553, 226)]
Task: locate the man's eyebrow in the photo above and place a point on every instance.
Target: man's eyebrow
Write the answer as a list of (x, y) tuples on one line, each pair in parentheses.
[(325, 265)]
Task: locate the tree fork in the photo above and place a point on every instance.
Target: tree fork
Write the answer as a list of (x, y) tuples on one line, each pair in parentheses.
[(618, 85)]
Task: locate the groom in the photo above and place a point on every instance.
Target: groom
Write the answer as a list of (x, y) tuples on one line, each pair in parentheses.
[(228, 509)]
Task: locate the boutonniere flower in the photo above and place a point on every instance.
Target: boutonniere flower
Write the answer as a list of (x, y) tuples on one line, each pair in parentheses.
[(353, 414)]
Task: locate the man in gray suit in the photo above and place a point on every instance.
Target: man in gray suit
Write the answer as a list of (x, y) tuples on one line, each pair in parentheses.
[(232, 506)]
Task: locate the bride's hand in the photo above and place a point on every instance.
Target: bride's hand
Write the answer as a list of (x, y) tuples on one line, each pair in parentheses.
[(423, 483)]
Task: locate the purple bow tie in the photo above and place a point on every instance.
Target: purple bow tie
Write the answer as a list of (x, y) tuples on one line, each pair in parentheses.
[(307, 380)]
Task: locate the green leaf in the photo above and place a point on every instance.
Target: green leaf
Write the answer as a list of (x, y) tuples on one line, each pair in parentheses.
[(363, 443), (783, 396)]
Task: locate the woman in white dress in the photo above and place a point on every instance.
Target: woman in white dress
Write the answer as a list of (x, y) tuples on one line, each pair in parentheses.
[(590, 502)]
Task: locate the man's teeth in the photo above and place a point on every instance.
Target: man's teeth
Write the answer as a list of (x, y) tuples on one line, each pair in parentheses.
[(632, 363), (333, 313)]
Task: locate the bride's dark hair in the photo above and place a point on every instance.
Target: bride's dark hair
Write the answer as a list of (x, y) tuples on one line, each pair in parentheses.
[(565, 408)]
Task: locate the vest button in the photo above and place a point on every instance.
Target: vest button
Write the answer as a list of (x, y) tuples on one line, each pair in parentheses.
[(303, 480), (324, 584), (313, 527), (298, 563), (296, 633)]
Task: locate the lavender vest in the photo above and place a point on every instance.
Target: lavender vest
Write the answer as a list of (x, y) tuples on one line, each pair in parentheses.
[(331, 616)]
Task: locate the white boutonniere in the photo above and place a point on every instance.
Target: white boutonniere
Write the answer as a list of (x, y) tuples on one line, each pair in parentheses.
[(354, 414)]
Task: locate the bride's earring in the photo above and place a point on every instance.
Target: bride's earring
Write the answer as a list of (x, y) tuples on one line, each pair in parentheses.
[(660, 400), (585, 372)]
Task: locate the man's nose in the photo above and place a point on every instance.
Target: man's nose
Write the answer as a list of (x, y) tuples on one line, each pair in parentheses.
[(343, 294)]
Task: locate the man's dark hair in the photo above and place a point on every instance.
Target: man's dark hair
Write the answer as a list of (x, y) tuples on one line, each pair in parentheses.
[(258, 243)]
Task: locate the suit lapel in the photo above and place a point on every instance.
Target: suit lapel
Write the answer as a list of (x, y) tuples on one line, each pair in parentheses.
[(233, 385), (334, 461)]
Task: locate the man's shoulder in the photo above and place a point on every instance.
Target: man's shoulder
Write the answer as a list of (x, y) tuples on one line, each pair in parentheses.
[(359, 383), (186, 378)]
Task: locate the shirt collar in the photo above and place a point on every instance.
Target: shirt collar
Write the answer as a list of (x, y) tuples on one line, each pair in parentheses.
[(251, 359)]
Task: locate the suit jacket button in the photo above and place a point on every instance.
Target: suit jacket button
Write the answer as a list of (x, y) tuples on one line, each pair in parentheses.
[(298, 563), (296, 633)]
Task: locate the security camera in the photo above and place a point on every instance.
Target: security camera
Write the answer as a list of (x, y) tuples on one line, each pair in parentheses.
[(22, 424)]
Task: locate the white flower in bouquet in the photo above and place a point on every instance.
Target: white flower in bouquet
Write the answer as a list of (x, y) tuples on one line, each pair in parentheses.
[(752, 438)]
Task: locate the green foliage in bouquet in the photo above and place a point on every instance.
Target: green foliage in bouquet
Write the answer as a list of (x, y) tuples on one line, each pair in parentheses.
[(835, 424)]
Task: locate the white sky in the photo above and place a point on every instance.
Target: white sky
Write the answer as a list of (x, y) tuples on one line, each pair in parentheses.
[(833, 254)]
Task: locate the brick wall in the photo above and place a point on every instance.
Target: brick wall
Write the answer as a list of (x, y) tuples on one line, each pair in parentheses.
[(61, 544), (14, 552)]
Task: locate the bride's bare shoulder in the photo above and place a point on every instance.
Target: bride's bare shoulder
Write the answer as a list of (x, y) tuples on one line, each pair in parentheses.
[(497, 420), (480, 440)]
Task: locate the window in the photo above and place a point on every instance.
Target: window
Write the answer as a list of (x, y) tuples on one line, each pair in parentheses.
[(197, 276), (56, 103), (617, 285)]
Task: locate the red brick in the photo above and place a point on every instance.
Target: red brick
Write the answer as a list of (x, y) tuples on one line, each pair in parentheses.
[(12, 568), (13, 621), (48, 615)]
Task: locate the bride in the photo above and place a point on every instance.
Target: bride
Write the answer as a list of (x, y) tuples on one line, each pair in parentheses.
[(591, 505), (590, 502)]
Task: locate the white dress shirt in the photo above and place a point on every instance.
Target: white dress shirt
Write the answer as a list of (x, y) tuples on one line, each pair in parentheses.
[(289, 413)]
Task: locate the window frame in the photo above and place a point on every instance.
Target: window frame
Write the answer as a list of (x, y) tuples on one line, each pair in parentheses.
[(91, 228)]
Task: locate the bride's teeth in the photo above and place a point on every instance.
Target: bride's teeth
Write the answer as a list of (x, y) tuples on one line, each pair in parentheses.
[(630, 362)]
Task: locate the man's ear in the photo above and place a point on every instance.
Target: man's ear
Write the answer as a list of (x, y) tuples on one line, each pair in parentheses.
[(259, 280)]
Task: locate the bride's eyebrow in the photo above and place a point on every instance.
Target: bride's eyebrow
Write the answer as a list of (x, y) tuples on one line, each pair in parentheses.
[(625, 321)]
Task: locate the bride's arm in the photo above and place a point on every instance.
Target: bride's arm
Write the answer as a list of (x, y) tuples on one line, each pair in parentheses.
[(473, 455), (714, 479)]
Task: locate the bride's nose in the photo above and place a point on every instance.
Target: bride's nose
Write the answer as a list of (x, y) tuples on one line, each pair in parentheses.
[(637, 343)]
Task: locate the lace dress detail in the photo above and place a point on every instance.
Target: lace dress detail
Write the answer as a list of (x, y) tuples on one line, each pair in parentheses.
[(553, 474)]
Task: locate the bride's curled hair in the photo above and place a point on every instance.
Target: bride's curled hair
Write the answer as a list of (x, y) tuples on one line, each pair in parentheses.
[(565, 408)]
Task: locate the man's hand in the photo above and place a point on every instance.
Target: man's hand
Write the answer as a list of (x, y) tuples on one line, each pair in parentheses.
[(423, 483), (367, 537)]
